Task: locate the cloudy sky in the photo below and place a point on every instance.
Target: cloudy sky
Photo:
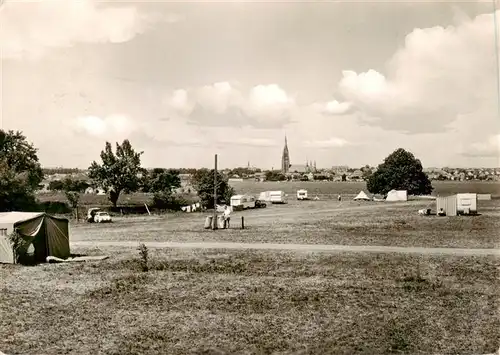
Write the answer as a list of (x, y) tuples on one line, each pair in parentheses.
[(346, 82)]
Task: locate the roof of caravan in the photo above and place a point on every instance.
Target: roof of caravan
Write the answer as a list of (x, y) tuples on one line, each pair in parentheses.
[(14, 217)]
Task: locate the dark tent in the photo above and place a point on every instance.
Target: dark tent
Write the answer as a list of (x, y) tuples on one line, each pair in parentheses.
[(48, 235)]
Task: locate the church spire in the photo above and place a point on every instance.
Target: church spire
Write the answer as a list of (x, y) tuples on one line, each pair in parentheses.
[(285, 158)]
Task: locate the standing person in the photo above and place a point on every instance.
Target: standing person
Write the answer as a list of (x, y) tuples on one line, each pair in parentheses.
[(227, 215), (339, 198)]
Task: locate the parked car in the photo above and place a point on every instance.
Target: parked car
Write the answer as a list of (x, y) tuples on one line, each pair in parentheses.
[(260, 204), (91, 214), (102, 217)]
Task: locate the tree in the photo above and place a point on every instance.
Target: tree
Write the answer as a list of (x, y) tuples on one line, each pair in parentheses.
[(400, 171), (20, 172), (120, 172), (76, 185), (275, 175), (56, 185), (366, 172), (203, 182), (161, 180), (73, 199), (68, 184)]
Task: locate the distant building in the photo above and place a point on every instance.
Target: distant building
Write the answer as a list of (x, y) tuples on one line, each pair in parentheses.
[(260, 176), (356, 175), (339, 170)]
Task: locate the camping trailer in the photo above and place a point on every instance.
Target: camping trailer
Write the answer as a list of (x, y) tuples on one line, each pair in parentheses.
[(265, 196), (466, 203), (244, 201), (302, 195), (47, 235), (277, 197)]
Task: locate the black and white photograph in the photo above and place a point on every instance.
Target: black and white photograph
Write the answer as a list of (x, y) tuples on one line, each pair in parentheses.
[(249, 177)]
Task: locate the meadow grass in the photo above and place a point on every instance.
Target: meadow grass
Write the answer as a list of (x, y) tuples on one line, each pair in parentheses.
[(314, 222), (259, 302), (325, 190)]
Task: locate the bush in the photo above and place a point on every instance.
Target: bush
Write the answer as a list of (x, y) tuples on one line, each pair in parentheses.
[(166, 201), (144, 257)]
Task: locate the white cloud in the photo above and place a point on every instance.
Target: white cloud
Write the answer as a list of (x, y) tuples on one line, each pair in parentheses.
[(328, 143), (438, 74), (489, 148), (112, 126), (218, 97), (28, 28), (225, 104), (268, 102), (180, 102), (333, 108)]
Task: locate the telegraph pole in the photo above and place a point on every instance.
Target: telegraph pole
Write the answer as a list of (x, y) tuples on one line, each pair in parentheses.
[(214, 225)]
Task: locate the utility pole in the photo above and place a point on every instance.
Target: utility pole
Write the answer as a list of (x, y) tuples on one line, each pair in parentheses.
[(214, 225)]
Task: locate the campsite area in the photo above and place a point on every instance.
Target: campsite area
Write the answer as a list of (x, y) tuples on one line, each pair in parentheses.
[(264, 301)]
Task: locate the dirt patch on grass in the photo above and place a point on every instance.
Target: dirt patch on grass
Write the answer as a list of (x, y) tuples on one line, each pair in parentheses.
[(192, 301)]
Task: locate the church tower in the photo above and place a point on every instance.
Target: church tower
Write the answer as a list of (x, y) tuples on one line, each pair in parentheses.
[(285, 159)]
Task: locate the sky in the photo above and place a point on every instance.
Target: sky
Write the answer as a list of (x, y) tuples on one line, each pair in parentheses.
[(346, 82)]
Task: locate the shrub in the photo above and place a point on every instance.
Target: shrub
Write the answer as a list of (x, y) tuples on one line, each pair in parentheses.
[(144, 256), (166, 201)]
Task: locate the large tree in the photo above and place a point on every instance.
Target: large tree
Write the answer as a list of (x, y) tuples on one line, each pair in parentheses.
[(400, 171), (20, 172), (203, 182), (160, 180), (120, 172)]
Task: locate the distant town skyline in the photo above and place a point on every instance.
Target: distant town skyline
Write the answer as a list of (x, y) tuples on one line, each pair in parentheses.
[(348, 83)]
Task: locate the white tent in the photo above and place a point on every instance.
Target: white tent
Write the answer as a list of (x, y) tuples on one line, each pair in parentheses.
[(362, 196), (397, 195)]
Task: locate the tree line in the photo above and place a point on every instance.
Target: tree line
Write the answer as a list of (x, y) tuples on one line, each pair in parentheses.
[(119, 171)]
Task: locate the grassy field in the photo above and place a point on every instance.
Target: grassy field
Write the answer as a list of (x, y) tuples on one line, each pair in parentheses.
[(332, 189), (252, 302), (314, 222), (261, 302), (325, 190)]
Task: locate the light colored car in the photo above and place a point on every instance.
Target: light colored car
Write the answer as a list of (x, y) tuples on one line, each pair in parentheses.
[(102, 217)]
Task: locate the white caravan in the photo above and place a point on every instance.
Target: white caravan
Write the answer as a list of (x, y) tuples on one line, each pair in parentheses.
[(245, 201), (277, 197), (302, 195), (265, 196)]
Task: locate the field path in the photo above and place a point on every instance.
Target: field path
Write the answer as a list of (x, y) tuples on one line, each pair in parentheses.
[(334, 248)]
